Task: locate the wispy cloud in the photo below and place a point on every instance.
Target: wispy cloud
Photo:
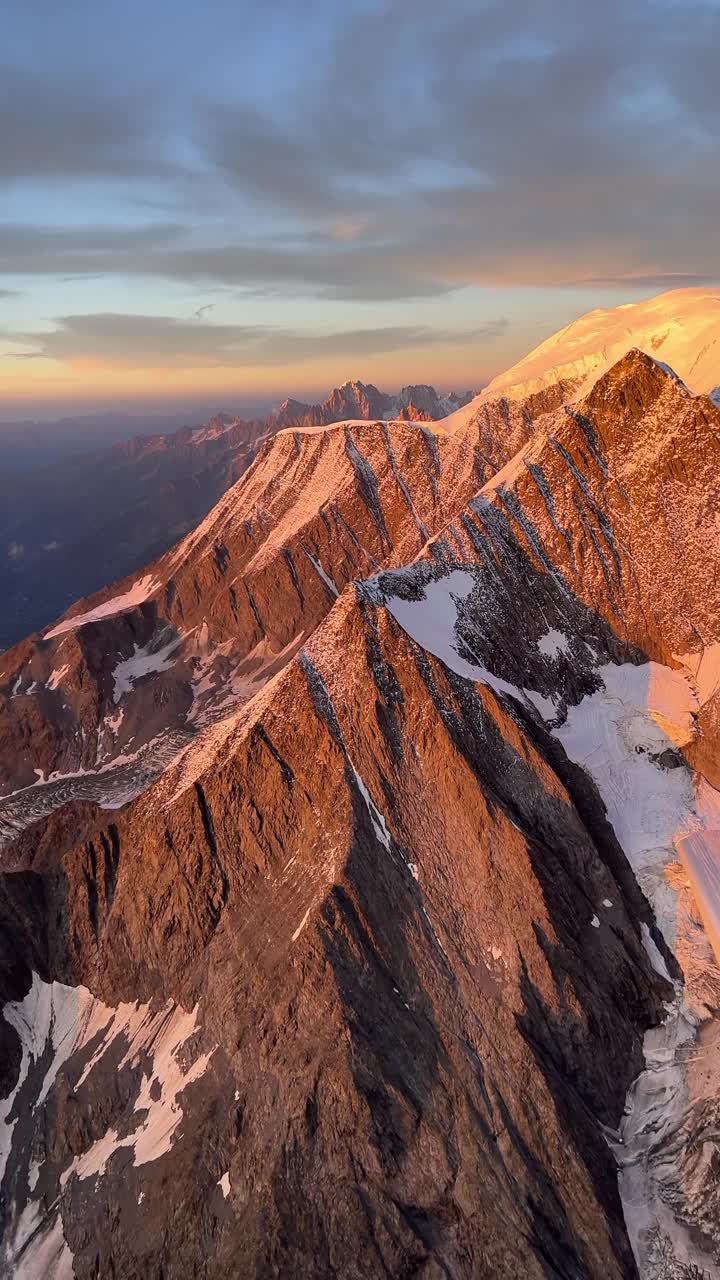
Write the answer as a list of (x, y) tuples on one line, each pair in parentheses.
[(146, 342)]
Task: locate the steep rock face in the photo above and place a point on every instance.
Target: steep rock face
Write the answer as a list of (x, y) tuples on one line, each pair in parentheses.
[(71, 528), (203, 628), (379, 900), (613, 505), (618, 494)]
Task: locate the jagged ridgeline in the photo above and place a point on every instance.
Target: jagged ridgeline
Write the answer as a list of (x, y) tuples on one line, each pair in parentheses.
[(73, 526), (359, 860)]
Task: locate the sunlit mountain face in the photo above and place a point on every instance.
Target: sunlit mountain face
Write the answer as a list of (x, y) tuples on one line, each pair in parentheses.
[(384, 805), (69, 525), (359, 641)]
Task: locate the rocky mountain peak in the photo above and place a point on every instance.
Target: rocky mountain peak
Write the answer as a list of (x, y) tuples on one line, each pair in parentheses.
[(359, 861), (633, 384), (356, 399)]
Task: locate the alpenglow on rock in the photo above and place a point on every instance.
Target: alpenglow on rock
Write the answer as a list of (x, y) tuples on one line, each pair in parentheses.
[(360, 864)]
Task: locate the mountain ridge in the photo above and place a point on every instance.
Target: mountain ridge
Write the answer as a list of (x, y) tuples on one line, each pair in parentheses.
[(421, 880), (73, 527), (354, 399)]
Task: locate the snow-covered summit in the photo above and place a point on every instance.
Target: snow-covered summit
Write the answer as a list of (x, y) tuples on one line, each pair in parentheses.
[(681, 328)]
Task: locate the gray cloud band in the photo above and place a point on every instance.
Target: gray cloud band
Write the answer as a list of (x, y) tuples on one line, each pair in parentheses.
[(146, 341), (422, 149)]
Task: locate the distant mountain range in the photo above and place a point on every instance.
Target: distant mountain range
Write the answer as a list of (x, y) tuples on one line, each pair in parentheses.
[(69, 527), (362, 400), (27, 444)]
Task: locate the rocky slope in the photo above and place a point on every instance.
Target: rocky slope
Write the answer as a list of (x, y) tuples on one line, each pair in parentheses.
[(70, 528), (181, 646), (613, 504), (415, 893)]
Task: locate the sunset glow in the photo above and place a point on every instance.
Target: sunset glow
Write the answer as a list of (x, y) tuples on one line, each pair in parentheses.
[(279, 200)]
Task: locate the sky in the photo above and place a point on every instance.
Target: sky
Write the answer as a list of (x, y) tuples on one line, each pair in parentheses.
[(236, 201)]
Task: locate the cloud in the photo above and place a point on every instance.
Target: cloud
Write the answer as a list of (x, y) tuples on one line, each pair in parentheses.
[(58, 129), (37, 249), (661, 281), (495, 143), (147, 342), (397, 150), (306, 265), (16, 551)]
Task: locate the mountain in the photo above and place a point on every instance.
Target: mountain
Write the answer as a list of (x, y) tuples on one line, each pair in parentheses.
[(360, 400), (69, 528), (232, 602), (28, 444), (680, 328), (360, 854)]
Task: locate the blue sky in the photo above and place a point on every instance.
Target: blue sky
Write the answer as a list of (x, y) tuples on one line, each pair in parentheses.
[(240, 200)]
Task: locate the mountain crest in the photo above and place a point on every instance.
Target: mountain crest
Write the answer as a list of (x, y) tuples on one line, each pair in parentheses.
[(639, 394), (374, 826), (633, 384), (355, 399), (681, 327)]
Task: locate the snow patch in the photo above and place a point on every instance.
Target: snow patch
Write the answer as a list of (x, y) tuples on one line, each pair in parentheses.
[(301, 926), (432, 623), (378, 822), (618, 734), (57, 676), (37, 1247), (66, 1020), (704, 667), (114, 721), (137, 594), (321, 572), (161, 1034), (653, 951), (553, 644), (700, 853), (143, 662)]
